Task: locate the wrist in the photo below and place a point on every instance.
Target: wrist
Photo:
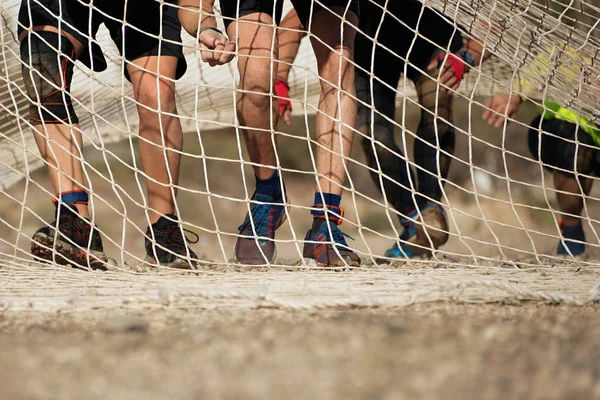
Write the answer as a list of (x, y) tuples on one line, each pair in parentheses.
[(283, 81), (467, 57), (208, 28)]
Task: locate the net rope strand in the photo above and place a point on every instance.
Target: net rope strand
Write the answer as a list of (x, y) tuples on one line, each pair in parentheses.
[(498, 251)]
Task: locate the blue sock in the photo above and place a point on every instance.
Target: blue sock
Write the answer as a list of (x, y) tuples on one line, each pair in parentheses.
[(270, 186), (574, 232), (329, 201), (70, 199)]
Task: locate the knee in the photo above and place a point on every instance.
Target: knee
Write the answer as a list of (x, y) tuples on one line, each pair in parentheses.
[(336, 69), (255, 87), (259, 102), (156, 100)]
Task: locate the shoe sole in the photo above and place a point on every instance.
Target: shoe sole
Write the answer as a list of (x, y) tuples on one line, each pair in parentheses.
[(44, 248), (179, 263), (433, 220), (340, 264)]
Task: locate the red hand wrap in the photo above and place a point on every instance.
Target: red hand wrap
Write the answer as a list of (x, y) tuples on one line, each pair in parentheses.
[(282, 90), (457, 64)]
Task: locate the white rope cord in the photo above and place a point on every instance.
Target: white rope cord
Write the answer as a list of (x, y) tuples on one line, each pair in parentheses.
[(542, 51)]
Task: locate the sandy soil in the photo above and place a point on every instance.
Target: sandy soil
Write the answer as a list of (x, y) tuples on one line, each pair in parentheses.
[(441, 350), (436, 351)]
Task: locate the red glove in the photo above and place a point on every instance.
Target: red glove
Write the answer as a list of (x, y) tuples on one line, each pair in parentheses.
[(282, 90), (457, 63)]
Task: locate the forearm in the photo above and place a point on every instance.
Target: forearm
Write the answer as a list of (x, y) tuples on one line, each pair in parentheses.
[(196, 14), (289, 35)]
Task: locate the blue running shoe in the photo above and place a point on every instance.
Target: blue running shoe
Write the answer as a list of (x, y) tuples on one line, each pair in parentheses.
[(322, 246), (574, 233), (402, 251), (421, 235), (257, 246)]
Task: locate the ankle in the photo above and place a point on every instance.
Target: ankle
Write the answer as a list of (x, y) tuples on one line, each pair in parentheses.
[(75, 201), (271, 186)]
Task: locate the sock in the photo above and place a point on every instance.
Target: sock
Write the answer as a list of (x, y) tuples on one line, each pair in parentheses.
[(270, 186), (332, 204), (574, 232), (70, 199)]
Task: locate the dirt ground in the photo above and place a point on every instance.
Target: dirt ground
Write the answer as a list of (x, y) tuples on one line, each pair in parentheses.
[(435, 351), (444, 350)]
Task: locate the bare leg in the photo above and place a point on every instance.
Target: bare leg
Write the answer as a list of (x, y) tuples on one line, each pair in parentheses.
[(160, 129), (336, 103), (60, 144), (571, 203), (255, 109)]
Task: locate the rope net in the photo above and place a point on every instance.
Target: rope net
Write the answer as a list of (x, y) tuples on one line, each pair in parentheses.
[(501, 201)]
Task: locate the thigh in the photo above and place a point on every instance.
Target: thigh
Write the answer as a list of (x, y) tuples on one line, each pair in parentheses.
[(154, 33), (255, 50), (234, 9), (307, 8), (562, 146), (145, 71)]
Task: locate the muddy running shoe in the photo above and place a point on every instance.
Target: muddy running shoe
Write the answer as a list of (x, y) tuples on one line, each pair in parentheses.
[(414, 241), (321, 246), (72, 245), (256, 245), (169, 247), (576, 244)]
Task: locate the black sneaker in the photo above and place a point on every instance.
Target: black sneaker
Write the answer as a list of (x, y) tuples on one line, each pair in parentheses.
[(169, 247), (72, 245)]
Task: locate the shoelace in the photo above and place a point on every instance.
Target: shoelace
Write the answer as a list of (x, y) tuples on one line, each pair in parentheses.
[(173, 236), (338, 235), (262, 217)]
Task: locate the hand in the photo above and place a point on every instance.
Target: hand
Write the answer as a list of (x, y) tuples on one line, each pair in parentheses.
[(282, 90), (215, 48), (499, 107), (453, 69)]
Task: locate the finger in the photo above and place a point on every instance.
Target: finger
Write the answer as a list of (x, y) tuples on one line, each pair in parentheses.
[(218, 51), (493, 118), (208, 57), (453, 83), (287, 116), (228, 53), (435, 63), (500, 121), (447, 77), (486, 110)]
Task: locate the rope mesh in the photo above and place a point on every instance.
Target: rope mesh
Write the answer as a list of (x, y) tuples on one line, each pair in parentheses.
[(500, 203)]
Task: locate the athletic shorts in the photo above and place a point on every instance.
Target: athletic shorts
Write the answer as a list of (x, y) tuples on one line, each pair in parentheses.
[(135, 41), (559, 150), (398, 36), (229, 8)]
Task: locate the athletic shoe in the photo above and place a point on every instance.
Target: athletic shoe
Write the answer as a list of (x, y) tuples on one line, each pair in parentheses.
[(408, 232), (571, 232), (256, 246), (169, 246), (327, 252), (72, 245), (414, 240)]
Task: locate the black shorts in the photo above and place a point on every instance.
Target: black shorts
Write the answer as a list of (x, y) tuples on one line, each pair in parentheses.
[(135, 41), (567, 148), (229, 8), (398, 37)]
